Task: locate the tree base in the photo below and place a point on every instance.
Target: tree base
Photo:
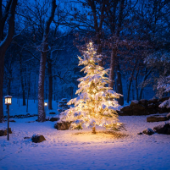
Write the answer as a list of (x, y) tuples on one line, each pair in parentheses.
[(94, 130)]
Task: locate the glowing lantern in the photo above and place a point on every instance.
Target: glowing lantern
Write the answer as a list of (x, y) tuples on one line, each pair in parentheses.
[(8, 100)]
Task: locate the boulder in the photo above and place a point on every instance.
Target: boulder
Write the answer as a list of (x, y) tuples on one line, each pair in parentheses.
[(143, 102), (4, 132), (153, 101), (148, 131), (27, 137), (162, 110), (156, 118), (152, 108), (138, 109), (12, 121), (38, 138), (163, 99), (53, 119), (30, 122), (162, 129), (140, 133), (127, 110), (134, 102), (62, 125)]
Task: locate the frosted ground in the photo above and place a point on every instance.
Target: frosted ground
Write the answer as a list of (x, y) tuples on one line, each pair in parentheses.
[(81, 150)]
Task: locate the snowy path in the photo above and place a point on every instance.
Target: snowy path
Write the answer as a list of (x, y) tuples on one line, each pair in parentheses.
[(65, 150)]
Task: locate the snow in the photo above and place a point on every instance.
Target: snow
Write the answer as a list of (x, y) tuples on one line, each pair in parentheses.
[(75, 150), (17, 109)]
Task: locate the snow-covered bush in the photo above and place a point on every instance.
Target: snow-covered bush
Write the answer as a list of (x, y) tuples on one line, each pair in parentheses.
[(164, 86), (96, 103), (160, 61)]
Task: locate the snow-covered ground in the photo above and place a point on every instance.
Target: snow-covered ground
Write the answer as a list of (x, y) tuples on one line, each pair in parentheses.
[(17, 108), (81, 150)]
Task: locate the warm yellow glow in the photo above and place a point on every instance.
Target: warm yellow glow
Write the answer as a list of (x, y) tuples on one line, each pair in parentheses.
[(96, 102), (45, 104), (8, 100)]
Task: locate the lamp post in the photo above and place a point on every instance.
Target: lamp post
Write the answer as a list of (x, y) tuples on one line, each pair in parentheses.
[(8, 101)]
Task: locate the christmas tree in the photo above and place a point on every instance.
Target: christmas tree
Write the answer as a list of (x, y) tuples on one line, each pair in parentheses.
[(96, 102)]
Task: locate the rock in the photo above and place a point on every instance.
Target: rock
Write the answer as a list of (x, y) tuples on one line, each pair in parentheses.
[(156, 118), (27, 137), (140, 133), (138, 109), (152, 108), (4, 132), (54, 119), (30, 122), (12, 121), (127, 110), (143, 102), (153, 101), (52, 113), (162, 110), (38, 138), (163, 129), (134, 102), (148, 131), (62, 125), (168, 116), (163, 99)]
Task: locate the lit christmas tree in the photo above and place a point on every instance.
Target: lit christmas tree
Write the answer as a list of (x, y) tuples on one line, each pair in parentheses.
[(96, 102)]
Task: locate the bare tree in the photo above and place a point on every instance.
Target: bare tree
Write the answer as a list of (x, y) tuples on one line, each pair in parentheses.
[(7, 16), (44, 50)]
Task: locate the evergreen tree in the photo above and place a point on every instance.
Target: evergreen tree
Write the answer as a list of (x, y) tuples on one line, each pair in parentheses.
[(96, 102)]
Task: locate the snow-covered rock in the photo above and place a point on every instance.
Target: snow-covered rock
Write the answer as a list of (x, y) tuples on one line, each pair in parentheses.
[(163, 129), (36, 138), (62, 125), (156, 118), (148, 131)]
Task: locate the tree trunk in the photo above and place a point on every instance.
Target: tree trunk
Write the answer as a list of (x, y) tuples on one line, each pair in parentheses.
[(112, 67), (41, 112), (143, 82), (35, 88), (130, 82), (28, 93), (22, 82), (50, 90), (2, 56), (9, 87), (136, 84), (119, 86), (4, 43)]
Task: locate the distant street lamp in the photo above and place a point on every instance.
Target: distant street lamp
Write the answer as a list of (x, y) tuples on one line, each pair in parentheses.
[(8, 101), (45, 104)]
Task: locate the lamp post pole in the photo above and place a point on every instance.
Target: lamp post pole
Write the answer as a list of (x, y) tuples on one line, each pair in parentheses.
[(8, 123), (8, 101)]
